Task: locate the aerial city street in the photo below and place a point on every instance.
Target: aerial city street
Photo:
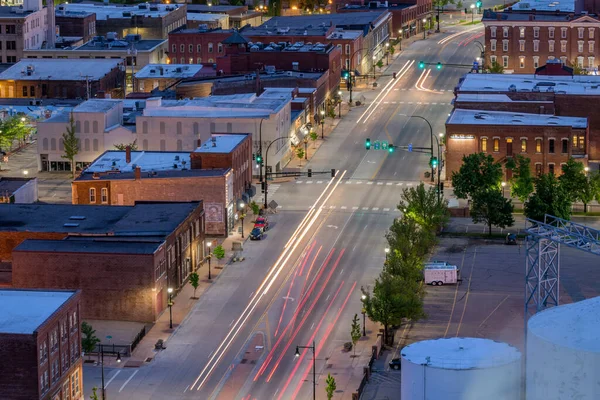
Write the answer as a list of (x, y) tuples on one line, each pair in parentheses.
[(375, 200)]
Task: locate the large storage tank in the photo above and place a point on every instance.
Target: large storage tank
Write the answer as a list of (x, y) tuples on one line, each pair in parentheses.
[(563, 352), (461, 369)]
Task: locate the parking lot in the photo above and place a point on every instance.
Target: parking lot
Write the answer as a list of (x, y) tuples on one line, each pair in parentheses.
[(489, 302)]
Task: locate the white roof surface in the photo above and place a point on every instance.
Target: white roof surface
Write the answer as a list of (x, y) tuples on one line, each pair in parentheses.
[(169, 71), (146, 160), (60, 69), (478, 117), (341, 34), (460, 353), (23, 311), (97, 105), (206, 17), (573, 325), (578, 84), (105, 12), (488, 98), (545, 5), (221, 144)]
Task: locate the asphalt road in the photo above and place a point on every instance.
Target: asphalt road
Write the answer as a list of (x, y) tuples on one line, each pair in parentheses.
[(302, 283)]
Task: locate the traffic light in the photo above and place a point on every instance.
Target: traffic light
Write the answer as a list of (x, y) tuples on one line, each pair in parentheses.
[(421, 64), (258, 159), (345, 74), (439, 65), (263, 185), (390, 148), (433, 162), (368, 144), (309, 173), (478, 4), (253, 156)]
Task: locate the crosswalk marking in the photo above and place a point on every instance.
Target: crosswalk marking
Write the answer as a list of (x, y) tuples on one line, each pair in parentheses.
[(386, 102), (309, 181), (410, 102), (359, 182), (386, 209), (401, 102), (369, 183), (319, 181), (379, 183), (297, 182), (332, 207), (343, 207), (365, 208), (348, 182), (399, 184), (388, 184), (375, 208), (355, 208)]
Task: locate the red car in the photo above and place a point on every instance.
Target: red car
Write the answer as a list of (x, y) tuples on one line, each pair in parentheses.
[(262, 222)]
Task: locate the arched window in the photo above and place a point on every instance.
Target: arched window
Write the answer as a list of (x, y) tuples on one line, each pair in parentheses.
[(86, 144), (45, 144), (53, 144), (95, 127), (86, 126)]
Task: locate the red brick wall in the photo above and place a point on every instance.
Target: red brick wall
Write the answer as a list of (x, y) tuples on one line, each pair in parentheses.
[(195, 39), (113, 286), (18, 367), (11, 239)]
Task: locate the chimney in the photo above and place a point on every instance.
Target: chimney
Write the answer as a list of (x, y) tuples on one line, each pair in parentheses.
[(128, 154), (137, 173)]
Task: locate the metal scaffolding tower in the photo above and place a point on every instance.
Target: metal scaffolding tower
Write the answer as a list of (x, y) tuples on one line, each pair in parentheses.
[(542, 266)]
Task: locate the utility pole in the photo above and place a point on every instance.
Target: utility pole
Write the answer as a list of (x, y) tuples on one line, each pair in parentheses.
[(87, 86)]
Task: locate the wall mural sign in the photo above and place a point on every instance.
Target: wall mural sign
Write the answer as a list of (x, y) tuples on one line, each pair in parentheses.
[(214, 212)]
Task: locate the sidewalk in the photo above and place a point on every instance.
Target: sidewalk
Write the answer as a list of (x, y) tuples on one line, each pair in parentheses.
[(182, 303)]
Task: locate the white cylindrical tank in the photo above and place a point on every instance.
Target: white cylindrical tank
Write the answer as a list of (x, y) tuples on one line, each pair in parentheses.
[(563, 352), (460, 369)]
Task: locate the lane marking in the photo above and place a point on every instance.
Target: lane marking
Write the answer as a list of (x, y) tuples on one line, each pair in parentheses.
[(131, 377), (111, 379)]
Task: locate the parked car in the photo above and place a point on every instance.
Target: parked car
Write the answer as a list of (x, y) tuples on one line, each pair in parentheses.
[(511, 239), (256, 234), (395, 364), (262, 222)]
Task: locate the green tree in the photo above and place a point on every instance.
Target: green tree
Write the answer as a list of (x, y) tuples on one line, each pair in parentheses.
[(440, 4), (123, 146), (300, 154), (313, 136), (355, 332), (573, 179), (589, 191), (393, 299), (94, 395), (255, 208), (549, 198), (89, 339), (219, 252), (379, 64), (496, 68), (14, 128), (194, 281), (391, 50), (478, 172), (459, 5), (331, 386), (409, 245), (577, 70), (521, 184), (491, 208), (70, 144), (425, 207)]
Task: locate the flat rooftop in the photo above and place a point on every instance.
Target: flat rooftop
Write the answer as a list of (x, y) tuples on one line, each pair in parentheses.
[(11, 185), (174, 71), (60, 69), (545, 5), (490, 16), (193, 16), (477, 117), (221, 143), (204, 8), (97, 105), (9, 12), (23, 311), (104, 12), (120, 45), (89, 246), (116, 160), (507, 83), (142, 219), (490, 98)]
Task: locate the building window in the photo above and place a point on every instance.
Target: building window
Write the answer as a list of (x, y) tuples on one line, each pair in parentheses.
[(496, 145), (219, 47), (95, 127), (536, 62), (591, 46), (538, 169), (174, 60), (182, 60), (505, 61), (191, 60), (145, 144), (199, 60), (162, 128), (551, 146), (505, 45), (492, 45), (75, 384), (591, 62), (536, 32), (43, 353), (551, 168), (484, 144), (179, 145), (179, 128), (579, 142), (580, 46), (92, 195), (505, 31), (24, 91), (521, 45), (145, 127), (563, 60), (563, 33), (551, 32), (492, 31), (551, 46), (210, 60), (191, 48), (493, 60), (163, 145), (522, 32), (563, 46), (95, 145), (104, 195), (521, 62), (32, 91), (182, 48), (11, 29), (580, 62), (347, 49), (538, 145), (580, 33), (66, 391), (210, 47), (196, 128), (591, 33), (564, 146), (523, 145)]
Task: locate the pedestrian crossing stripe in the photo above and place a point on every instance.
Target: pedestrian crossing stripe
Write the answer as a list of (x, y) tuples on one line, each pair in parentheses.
[(273, 187), (355, 208), (379, 183)]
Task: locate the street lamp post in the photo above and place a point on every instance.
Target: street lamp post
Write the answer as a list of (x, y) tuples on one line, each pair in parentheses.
[(424, 30), (387, 253), (102, 363), (322, 124), (170, 304), (209, 257), (364, 314), (472, 14), (314, 365), (374, 58), (340, 104), (387, 50), (482, 50), (503, 186), (431, 133), (242, 216), (400, 37), (267, 166)]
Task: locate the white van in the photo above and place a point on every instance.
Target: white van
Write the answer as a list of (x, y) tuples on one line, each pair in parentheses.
[(438, 273)]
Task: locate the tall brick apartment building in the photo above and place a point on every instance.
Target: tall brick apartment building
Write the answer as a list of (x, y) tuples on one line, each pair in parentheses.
[(40, 345)]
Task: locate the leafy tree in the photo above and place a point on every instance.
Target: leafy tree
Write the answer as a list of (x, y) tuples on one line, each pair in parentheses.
[(496, 68), (14, 128), (589, 191), (331, 386), (409, 246), (549, 198), (313, 136), (379, 64), (521, 184), (577, 70), (573, 179), (440, 4), (123, 146), (493, 209), (94, 395), (219, 252), (425, 207), (355, 331), (391, 50), (459, 5), (194, 281), (300, 153), (478, 172), (393, 299), (70, 144), (89, 339), (255, 208)]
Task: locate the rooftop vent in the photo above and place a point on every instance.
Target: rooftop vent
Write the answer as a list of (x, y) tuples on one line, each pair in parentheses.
[(77, 217), (71, 225)]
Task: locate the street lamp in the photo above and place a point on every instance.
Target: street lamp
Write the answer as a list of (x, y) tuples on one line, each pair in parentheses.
[(387, 252), (170, 304), (374, 58), (314, 365), (424, 31), (322, 124), (364, 314), (503, 186), (209, 257), (400, 37), (242, 216), (340, 104), (472, 13), (387, 50)]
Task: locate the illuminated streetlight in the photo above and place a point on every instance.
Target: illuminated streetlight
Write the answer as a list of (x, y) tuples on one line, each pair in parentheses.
[(170, 291), (503, 186), (209, 257)]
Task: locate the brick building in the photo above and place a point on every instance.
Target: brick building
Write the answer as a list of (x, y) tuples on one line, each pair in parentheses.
[(76, 24), (180, 226), (163, 76), (522, 41), (40, 345), (44, 78), (219, 173), (547, 140), (238, 16)]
